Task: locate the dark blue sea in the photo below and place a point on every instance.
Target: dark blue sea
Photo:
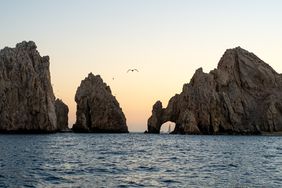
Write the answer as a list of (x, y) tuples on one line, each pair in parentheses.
[(139, 160)]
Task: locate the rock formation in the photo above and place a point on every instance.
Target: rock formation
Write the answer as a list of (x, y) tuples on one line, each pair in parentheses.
[(26, 94), (62, 111), (241, 96), (98, 110)]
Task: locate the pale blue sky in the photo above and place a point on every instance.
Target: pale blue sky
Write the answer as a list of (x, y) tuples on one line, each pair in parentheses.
[(166, 39)]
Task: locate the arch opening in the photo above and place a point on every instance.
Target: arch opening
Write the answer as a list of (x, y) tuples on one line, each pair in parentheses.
[(167, 127)]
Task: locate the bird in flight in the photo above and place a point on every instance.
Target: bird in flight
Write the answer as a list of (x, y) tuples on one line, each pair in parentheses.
[(132, 70)]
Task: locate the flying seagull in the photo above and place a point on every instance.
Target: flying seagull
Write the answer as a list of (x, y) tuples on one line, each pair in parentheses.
[(132, 70)]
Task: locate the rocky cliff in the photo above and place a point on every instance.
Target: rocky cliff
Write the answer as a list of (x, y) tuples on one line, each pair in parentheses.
[(97, 109), (62, 111), (26, 94), (241, 96)]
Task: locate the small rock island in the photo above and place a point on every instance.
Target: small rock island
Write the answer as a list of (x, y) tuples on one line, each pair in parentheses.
[(241, 96), (27, 101), (62, 111), (98, 111)]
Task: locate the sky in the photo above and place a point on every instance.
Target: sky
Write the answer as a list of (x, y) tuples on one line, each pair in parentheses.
[(166, 40)]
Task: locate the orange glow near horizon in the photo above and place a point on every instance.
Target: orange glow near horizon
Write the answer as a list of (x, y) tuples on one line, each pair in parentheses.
[(138, 91)]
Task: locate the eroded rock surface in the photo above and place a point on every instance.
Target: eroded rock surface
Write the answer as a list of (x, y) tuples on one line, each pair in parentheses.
[(97, 109), (62, 111), (27, 102), (241, 96)]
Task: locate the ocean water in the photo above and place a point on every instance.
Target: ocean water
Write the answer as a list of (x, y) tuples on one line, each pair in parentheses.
[(139, 160)]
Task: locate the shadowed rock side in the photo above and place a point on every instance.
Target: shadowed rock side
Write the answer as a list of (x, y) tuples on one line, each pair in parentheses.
[(26, 95), (241, 96), (98, 110), (62, 111)]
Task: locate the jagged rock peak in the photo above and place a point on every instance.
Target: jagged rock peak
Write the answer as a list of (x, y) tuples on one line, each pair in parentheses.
[(238, 51), (97, 109), (30, 45), (25, 45), (27, 98), (92, 84), (241, 96), (235, 56)]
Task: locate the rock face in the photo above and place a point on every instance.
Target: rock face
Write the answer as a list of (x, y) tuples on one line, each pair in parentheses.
[(62, 111), (27, 102), (97, 109), (241, 96)]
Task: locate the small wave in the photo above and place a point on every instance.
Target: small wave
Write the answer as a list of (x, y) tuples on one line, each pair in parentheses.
[(54, 179), (149, 169), (169, 170), (233, 165), (269, 156), (131, 184), (30, 186), (170, 181)]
